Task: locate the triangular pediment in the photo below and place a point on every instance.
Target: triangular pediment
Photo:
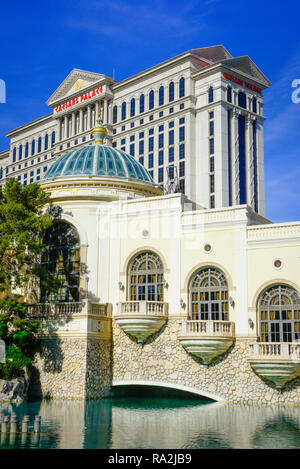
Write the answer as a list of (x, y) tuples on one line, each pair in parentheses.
[(246, 65), (76, 82)]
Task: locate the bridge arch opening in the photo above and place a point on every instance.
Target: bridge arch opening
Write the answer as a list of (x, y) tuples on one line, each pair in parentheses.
[(160, 390)]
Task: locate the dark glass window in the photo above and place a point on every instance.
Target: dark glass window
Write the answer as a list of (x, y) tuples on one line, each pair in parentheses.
[(242, 99), (132, 107), (181, 133), (171, 91), (142, 104), (141, 147), (242, 160), (160, 140), (160, 157), (229, 94), (171, 137), (39, 144), (160, 174), (211, 164), (14, 154), (211, 128), (210, 94), (181, 169), (151, 99), (182, 185), (141, 160), (181, 88), (115, 114), (171, 154), (20, 151), (53, 139), (26, 150), (46, 142), (150, 160), (254, 105), (212, 183), (151, 144), (211, 146), (161, 97), (61, 262), (181, 151), (123, 111), (131, 149)]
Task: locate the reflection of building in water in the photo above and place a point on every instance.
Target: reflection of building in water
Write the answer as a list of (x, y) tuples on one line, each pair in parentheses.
[(205, 426)]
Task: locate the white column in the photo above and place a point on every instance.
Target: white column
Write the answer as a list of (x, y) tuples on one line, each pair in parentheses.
[(73, 123), (89, 125), (249, 161), (66, 127), (235, 160), (105, 111), (80, 120)]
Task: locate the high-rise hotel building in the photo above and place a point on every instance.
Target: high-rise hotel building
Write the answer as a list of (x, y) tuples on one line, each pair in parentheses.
[(194, 121)]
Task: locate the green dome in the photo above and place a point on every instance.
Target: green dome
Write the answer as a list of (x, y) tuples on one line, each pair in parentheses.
[(98, 160)]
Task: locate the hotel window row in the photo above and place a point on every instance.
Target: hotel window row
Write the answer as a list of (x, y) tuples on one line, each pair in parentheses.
[(35, 146), (242, 99), (151, 101)]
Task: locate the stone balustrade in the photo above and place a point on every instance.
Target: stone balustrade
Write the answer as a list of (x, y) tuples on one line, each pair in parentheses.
[(208, 328), (275, 350), (67, 309), (153, 308)]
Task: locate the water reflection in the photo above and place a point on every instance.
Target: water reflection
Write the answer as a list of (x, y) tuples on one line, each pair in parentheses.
[(154, 423)]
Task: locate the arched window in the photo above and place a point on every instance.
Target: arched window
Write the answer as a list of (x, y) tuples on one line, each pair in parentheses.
[(26, 150), (229, 94), (53, 139), (46, 142), (151, 99), (14, 154), (161, 96), (123, 111), (209, 295), (210, 94), (115, 114), (20, 151), (142, 103), (132, 107), (33, 147), (171, 91), (279, 314), (146, 277), (39, 144), (61, 263), (181, 88), (242, 100)]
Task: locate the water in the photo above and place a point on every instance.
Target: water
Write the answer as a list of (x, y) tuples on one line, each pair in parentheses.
[(153, 422)]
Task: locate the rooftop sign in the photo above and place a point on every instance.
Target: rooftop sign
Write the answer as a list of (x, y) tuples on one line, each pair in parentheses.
[(241, 82), (79, 99)]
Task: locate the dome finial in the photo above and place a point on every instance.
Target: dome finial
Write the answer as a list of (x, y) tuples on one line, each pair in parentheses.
[(99, 131)]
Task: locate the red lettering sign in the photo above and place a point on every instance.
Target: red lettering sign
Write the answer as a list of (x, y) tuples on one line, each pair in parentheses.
[(83, 97), (240, 82)]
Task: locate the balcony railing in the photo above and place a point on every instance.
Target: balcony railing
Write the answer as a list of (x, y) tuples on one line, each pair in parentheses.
[(45, 310), (151, 308), (208, 328), (275, 350)]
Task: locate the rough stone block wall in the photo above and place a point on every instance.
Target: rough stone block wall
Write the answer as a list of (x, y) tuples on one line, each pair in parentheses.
[(75, 368), (163, 359)]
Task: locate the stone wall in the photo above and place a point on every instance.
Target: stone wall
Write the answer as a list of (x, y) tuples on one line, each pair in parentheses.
[(163, 359), (71, 368)]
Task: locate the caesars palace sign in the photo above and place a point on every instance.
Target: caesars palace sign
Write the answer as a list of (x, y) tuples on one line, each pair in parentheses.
[(79, 99), (241, 82)]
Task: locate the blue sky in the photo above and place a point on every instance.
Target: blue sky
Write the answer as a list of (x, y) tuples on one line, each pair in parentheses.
[(41, 42)]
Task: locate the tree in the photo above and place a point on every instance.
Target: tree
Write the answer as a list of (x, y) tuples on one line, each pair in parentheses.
[(23, 222)]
